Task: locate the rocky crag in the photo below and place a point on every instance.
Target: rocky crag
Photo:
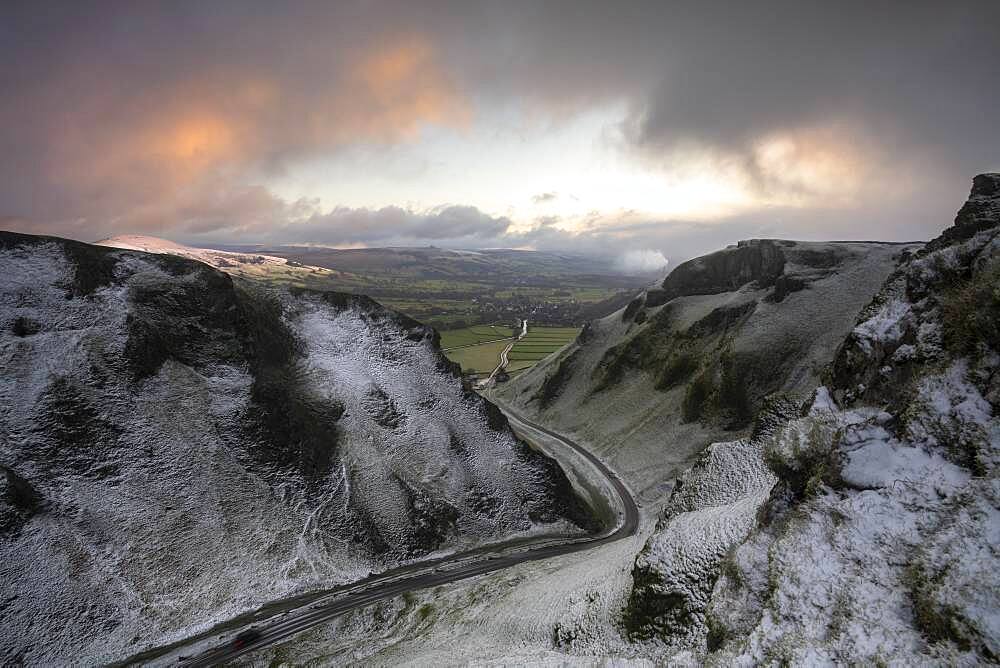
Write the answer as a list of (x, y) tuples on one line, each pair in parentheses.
[(863, 528), (694, 360)]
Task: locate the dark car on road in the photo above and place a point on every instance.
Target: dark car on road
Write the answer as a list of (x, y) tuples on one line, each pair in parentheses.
[(244, 638)]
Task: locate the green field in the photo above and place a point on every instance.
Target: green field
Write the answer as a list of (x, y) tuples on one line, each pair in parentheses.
[(469, 336), (539, 344), (520, 365), (478, 359)]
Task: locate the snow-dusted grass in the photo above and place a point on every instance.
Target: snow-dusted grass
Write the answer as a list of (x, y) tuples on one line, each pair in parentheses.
[(157, 520), (881, 542), (858, 575), (552, 612)]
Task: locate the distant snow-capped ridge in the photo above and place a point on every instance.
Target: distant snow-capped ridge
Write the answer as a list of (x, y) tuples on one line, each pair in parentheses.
[(216, 258)]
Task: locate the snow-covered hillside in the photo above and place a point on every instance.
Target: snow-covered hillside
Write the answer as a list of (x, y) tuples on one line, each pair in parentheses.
[(178, 447), (879, 542), (649, 387)]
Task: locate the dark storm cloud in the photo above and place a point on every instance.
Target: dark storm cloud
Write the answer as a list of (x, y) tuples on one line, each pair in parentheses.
[(161, 117), (915, 81)]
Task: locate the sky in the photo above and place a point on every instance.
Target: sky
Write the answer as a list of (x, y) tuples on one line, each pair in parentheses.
[(646, 130)]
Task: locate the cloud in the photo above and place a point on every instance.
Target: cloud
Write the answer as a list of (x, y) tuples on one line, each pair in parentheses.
[(114, 122), (642, 261), (826, 100), (457, 225), (853, 118)]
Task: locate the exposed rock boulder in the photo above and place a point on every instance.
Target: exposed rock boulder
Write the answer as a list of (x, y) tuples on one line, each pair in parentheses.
[(553, 385), (720, 320), (632, 309), (980, 212), (19, 501), (657, 297), (760, 261), (714, 506), (784, 286)]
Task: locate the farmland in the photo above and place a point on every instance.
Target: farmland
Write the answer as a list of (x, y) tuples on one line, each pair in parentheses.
[(470, 336), (451, 289), (477, 350), (481, 359), (539, 344)]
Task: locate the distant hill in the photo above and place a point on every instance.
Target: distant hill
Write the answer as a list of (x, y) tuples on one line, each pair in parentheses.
[(504, 265), (440, 287), (216, 258)]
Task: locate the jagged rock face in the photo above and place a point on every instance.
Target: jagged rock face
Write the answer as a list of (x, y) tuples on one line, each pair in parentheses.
[(878, 543), (722, 381), (942, 301), (756, 260), (713, 506), (784, 286), (176, 448), (789, 266), (980, 212)]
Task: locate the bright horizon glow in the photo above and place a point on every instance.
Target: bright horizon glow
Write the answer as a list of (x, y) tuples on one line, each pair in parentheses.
[(573, 174)]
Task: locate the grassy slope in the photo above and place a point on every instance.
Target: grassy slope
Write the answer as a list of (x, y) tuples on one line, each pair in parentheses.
[(541, 342), (474, 335), (651, 442), (478, 359)]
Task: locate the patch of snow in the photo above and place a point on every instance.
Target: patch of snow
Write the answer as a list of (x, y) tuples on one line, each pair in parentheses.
[(885, 327), (823, 402), (838, 581)]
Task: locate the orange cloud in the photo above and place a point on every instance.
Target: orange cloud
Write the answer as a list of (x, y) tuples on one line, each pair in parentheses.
[(827, 164), (386, 70), (140, 150), (200, 139), (391, 93)]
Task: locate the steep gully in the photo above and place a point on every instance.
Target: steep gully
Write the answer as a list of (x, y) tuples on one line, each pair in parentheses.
[(599, 485)]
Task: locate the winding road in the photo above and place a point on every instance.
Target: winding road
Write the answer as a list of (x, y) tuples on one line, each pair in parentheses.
[(503, 356), (283, 619)]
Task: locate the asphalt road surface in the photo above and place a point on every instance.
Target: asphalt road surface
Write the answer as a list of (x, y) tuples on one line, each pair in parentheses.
[(281, 620)]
